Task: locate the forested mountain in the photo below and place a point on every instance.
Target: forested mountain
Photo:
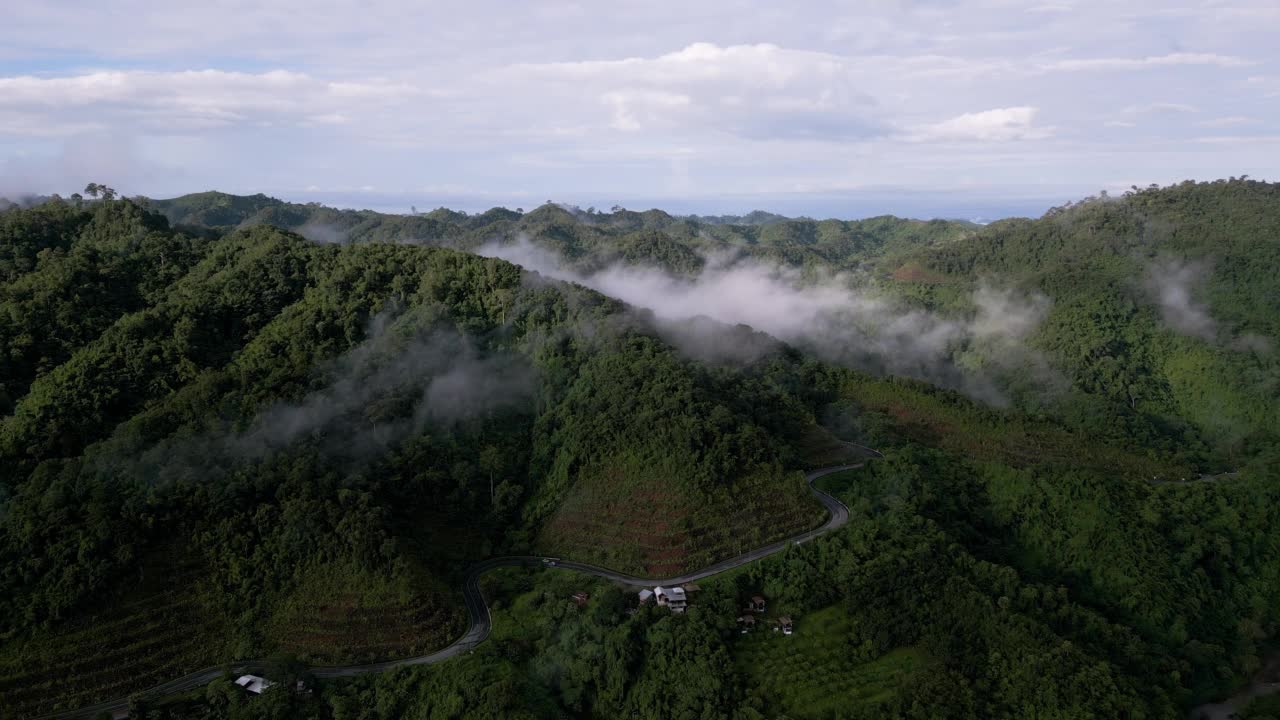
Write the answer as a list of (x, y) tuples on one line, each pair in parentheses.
[(262, 408), (1160, 308), (1165, 309), (586, 240), (224, 440)]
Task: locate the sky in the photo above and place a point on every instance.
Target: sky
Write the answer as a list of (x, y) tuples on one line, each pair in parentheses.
[(833, 108)]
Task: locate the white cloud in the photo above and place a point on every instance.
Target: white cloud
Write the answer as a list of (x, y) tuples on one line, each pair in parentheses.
[(1229, 121), (655, 99), (1153, 61), (997, 125), (1268, 86), (1162, 107), (633, 109), (1049, 8), (1254, 140), (745, 90), (330, 119), (181, 101)]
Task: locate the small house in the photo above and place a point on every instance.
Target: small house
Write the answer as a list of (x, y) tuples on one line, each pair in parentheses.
[(747, 623), (580, 598), (757, 603), (672, 597), (645, 595), (784, 624), (254, 683)]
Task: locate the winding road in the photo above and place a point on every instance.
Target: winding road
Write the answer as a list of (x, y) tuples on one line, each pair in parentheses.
[(478, 611)]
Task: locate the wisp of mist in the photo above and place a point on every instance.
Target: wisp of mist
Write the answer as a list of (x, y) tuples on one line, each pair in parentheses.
[(833, 316)]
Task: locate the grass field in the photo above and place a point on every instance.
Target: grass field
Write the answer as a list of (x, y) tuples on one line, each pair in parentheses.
[(824, 669)]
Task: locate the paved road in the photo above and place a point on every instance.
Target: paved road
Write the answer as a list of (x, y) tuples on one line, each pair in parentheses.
[(478, 611), (1265, 682), (1199, 479)]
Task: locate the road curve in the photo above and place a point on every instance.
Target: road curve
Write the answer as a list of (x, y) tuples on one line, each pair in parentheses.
[(478, 611)]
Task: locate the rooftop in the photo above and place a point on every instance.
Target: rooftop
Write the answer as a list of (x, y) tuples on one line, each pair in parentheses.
[(253, 683)]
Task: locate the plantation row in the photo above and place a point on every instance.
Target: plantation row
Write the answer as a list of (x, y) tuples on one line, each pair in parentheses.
[(354, 633), (152, 641), (822, 670)]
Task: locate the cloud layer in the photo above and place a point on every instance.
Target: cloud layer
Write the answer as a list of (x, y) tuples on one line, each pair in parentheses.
[(998, 125), (833, 317), (178, 102), (981, 98), (749, 91)]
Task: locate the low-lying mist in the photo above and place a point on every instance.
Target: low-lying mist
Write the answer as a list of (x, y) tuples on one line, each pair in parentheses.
[(390, 387), (832, 317), (1173, 285), (1176, 286), (394, 385)]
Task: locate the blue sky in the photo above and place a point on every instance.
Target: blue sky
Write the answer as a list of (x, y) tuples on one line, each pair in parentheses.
[(933, 108)]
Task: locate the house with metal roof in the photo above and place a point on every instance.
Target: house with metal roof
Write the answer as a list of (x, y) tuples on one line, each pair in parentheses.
[(254, 683), (672, 597)]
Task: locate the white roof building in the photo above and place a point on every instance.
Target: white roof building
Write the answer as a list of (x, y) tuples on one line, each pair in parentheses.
[(645, 595), (253, 683), (672, 597)]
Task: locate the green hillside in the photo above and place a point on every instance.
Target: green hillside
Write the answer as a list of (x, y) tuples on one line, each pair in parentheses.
[(276, 410), (235, 427), (1161, 305), (1165, 309)]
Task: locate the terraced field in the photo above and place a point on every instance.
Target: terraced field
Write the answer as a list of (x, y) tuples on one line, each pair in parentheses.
[(152, 637), (387, 601), (634, 528), (346, 615), (167, 628), (653, 533), (933, 419), (824, 670)]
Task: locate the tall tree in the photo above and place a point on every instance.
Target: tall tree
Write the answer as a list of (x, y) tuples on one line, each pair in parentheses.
[(491, 464)]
